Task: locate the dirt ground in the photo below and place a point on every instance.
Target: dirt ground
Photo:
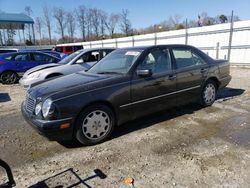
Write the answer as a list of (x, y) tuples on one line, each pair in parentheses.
[(183, 147)]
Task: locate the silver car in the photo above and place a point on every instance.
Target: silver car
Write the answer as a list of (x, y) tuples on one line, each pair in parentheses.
[(78, 61)]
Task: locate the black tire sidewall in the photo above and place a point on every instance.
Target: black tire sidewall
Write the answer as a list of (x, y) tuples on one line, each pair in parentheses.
[(78, 126), (203, 102), (8, 72)]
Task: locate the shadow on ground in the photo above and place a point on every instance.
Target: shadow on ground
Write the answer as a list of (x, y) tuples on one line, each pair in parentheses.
[(229, 92), (4, 97), (68, 178)]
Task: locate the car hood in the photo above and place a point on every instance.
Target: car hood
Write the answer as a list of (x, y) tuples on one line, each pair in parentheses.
[(40, 67), (66, 84)]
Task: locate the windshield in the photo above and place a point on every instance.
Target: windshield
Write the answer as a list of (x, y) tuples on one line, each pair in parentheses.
[(118, 61), (69, 58)]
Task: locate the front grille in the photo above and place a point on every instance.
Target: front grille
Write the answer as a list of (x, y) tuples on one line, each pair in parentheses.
[(30, 104)]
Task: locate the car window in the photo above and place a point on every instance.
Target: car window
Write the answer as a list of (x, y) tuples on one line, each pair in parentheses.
[(43, 58), (89, 57), (21, 57), (118, 61), (68, 49), (77, 48), (158, 60), (8, 57), (198, 60), (59, 49), (185, 58)]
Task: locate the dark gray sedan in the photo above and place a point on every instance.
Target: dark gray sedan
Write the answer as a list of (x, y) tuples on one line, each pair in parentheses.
[(127, 84)]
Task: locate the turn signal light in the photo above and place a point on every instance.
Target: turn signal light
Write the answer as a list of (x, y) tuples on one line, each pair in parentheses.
[(64, 126)]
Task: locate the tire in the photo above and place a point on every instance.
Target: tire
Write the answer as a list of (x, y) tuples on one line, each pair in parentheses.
[(209, 93), (95, 124), (9, 77)]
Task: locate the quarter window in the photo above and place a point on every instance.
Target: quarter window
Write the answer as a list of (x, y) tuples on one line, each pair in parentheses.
[(158, 60)]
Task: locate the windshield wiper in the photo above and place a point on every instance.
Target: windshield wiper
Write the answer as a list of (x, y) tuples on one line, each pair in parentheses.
[(108, 72)]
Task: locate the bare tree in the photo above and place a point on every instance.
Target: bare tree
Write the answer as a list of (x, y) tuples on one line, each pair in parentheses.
[(125, 22), (60, 16), (81, 18), (89, 23), (47, 20), (39, 27), (28, 11), (103, 18), (71, 24), (112, 23), (95, 19), (174, 20)]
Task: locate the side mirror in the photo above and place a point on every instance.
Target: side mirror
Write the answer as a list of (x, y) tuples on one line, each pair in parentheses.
[(144, 73), (79, 61)]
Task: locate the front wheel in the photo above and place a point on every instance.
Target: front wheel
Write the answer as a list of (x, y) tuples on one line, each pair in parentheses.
[(209, 93), (9, 77), (94, 125)]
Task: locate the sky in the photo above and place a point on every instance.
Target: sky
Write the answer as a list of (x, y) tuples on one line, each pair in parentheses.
[(143, 13)]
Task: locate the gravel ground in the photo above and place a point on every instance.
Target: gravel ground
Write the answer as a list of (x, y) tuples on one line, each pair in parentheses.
[(183, 147)]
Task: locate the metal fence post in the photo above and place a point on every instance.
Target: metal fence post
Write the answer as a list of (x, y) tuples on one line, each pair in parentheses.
[(155, 38), (230, 37), (186, 33), (217, 50), (116, 45), (133, 41), (90, 45)]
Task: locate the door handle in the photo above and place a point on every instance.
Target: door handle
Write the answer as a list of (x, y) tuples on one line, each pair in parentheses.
[(203, 70), (172, 77)]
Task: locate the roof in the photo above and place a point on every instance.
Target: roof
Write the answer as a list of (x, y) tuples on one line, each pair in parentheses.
[(15, 18)]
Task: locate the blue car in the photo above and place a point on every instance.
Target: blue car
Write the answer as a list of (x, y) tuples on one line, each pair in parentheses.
[(13, 65)]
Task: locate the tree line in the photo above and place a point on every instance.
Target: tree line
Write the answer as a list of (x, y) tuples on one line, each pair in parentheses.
[(92, 23), (95, 24)]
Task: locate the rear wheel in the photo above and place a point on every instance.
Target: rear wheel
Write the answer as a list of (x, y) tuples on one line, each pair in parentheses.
[(9, 77), (95, 124), (209, 93)]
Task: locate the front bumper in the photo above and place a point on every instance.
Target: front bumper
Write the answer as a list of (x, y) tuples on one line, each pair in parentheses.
[(50, 128), (26, 83)]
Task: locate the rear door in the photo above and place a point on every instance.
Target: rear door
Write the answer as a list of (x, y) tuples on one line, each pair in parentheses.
[(22, 62), (191, 71), (40, 59)]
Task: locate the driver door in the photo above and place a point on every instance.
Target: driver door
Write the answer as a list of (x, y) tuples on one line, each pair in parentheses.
[(153, 93)]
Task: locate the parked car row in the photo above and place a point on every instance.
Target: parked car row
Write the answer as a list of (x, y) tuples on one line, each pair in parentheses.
[(124, 85), (13, 65)]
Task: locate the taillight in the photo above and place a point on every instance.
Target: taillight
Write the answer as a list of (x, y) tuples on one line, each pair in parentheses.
[(1, 63)]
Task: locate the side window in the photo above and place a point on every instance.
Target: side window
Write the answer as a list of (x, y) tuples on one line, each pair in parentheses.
[(59, 49), (42, 58), (8, 57), (21, 57), (158, 60), (198, 60), (77, 48), (68, 49), (185, 58)]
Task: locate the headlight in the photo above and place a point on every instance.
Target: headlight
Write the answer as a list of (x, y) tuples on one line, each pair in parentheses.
[(38, 108), (34, 75), (46, 107)]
